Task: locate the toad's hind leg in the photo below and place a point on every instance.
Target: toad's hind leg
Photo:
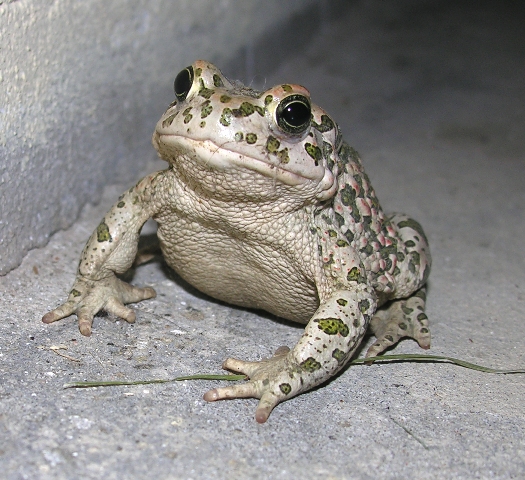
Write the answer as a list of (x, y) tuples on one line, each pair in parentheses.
[(405, 317), (400, 318)]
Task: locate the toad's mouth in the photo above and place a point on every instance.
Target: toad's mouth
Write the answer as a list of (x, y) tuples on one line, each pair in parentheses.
[(220, 157)]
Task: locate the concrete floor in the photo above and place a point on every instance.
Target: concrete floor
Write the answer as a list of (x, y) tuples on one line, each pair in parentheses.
[(433, 97)]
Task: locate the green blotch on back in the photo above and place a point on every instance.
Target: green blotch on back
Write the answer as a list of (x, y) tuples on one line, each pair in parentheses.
[(347, 154), (103, 234), (339, 355), (268, 99), (251, 138), (342, 302), (121, 204), (355, 275), (347, 195), (333, 326), (363, 306), (310, 364), (287, 88), (225, 99), (285, 388), (414, 226), (75, 293)]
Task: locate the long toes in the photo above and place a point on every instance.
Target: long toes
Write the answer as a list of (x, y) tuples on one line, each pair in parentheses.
[(241, 366), (63, 311), (245, 390), (132, 294), (423, 338), (85, 320), (117, 308), (381, 345), (267, 403)]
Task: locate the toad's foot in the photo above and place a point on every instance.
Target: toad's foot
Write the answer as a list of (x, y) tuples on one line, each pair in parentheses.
[(88, 297), (401, 318), (269, 381)]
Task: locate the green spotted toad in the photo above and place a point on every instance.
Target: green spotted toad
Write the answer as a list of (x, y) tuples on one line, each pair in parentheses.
[(263, 205)]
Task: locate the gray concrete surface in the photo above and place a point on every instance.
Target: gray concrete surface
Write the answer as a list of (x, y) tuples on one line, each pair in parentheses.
[(432, 95), (81, 83)]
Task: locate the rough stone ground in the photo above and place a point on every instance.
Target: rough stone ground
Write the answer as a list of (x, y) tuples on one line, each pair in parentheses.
[(432, 95)]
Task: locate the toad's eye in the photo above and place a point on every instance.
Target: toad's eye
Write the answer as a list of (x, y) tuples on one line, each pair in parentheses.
[(183, 83), (293, 114)]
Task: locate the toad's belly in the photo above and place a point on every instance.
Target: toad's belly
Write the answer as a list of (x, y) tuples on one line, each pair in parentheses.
[(234, 272)]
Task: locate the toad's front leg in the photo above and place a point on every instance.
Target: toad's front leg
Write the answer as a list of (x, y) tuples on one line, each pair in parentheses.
[(330, 338), (110, 251)]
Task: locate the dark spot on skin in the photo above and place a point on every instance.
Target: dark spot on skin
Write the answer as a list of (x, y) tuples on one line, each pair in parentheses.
[(407, 310), (169, 120), (339, 219), (283, 155), (314, 151), (403, 326), (121, 204), (239, 136), (347, 153), (251, 138), (363, 305), (205, 92), (207, 108), (421, 294), (268, 99), (75, 293), (202, 124), (356, 323), (332, 326), (414, 226), (410, 243), (272, 144), (259, 110), (326, 124), (245, 110), (422, 317), (339, 355), (187, 115), (347, 195), (287, 88), (310, 364), (342, 302), (332, 233), (226, 117), (349, 235), (217, 80), (389, 338), (103, 234), (285, 388), (424, 330), (225, 99), (355, 275), (341, 243), (198, 72)]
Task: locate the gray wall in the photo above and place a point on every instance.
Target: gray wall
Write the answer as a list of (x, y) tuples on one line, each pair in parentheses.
[(82, 84)]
